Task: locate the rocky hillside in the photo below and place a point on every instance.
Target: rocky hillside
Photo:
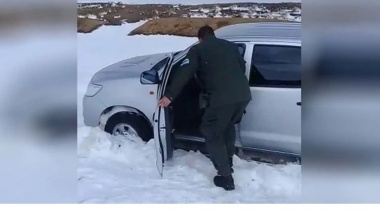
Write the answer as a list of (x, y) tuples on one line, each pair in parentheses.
[(188, 27), (93, 15)]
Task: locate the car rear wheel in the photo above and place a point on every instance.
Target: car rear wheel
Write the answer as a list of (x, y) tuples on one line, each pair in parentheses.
[(127, 124)]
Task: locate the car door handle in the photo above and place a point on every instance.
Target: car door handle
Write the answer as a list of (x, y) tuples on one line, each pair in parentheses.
[(299, 103)]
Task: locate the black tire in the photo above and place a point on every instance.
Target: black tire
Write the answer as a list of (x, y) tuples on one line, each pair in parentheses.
[(142, 127)]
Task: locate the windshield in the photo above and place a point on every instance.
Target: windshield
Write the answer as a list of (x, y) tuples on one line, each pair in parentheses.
[(184, 51), (160, 64)]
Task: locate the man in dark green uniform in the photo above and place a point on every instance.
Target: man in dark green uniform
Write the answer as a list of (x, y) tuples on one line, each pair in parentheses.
[(221, 69)]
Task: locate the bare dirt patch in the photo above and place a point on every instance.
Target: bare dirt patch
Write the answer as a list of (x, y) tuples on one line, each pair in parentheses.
[(188, 26), (86, 25)]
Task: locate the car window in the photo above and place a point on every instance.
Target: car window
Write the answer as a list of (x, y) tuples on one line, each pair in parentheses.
[(160, 64), (241, 47), (276, 66)]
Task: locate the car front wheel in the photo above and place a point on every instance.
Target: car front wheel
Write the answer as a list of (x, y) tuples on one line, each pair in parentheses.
[(127, 124)]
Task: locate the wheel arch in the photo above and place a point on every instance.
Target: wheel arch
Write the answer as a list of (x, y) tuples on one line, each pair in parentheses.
[(117, 110)]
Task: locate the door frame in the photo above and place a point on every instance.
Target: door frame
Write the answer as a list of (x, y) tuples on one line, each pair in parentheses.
[(163, 150)]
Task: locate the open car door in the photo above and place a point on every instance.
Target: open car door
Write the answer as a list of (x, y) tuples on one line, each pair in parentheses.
[(163, 120)]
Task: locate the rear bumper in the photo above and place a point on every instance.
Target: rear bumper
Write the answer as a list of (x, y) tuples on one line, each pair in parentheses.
[(92, 110)]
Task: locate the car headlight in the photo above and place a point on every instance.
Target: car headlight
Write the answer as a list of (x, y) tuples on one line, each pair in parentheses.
[(93, 89)]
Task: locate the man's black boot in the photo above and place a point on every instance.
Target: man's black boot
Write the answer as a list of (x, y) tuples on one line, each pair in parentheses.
[(226, 182), (230, 160)]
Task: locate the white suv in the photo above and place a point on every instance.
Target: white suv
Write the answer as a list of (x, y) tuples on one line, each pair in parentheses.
[(122, 98)]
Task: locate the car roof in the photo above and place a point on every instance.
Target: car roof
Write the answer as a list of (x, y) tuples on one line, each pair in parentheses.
[(279, 31)]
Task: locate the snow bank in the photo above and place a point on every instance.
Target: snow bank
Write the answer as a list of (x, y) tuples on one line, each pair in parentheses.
[(120, 170)]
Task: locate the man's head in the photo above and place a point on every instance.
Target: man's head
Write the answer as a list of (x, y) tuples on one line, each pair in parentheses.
[(204, 32)]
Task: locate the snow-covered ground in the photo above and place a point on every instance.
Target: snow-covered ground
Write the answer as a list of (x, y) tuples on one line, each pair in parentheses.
[(108, 173)]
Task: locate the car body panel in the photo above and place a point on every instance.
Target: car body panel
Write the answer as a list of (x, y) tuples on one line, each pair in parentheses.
[(118, 80), (129, 68), (92, 110), (273, 118)]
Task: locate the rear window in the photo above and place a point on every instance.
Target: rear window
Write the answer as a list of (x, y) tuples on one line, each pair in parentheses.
[(276, 66)]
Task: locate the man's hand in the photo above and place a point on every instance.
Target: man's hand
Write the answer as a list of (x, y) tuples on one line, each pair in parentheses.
[(164, 102)]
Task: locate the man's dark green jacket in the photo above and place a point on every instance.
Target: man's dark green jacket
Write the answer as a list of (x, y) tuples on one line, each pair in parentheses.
[(220, 68)]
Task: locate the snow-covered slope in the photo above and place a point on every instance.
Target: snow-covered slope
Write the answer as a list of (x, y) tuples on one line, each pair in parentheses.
[(246, 11), (185, 1), (117, 12), (108, 173), (112, 13)]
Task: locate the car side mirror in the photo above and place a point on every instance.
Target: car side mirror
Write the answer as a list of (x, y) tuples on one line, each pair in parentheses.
[(149, 77)]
